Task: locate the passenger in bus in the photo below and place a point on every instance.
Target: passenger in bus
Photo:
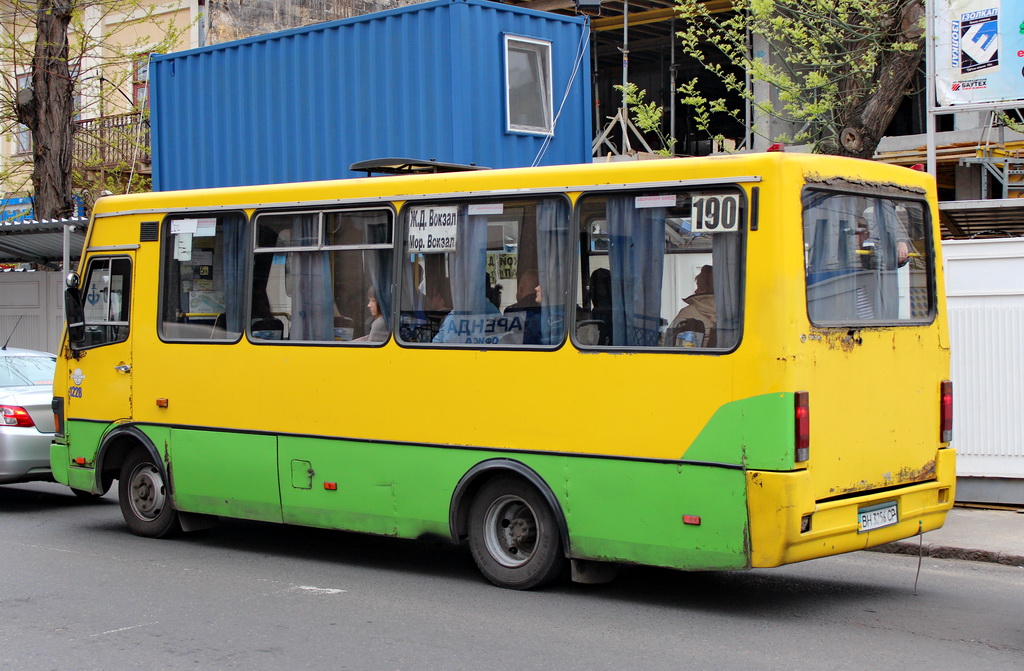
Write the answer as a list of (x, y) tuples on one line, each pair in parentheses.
[(471, 321), (526, 292), (700, 306), (528, 306), (892, 242), (600, 315), (378, 328)]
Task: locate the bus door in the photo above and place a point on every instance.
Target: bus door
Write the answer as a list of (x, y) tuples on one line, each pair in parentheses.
[(100, 388)]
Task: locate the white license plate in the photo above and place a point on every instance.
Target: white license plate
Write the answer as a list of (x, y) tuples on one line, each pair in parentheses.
[(877, 517)]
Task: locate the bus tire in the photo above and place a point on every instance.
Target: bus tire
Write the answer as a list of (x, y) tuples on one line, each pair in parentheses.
[(145, 499), (513, 535)]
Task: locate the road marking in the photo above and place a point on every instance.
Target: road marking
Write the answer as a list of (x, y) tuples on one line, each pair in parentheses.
[(134, 626), (320, 590)]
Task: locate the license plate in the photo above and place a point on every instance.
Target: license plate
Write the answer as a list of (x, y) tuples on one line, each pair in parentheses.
[(877, 517)]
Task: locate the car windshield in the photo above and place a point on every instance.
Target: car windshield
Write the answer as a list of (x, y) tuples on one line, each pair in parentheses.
[(22, 371)]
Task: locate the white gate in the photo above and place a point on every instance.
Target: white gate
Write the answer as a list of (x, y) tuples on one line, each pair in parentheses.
[(985, 290), (31, 309)]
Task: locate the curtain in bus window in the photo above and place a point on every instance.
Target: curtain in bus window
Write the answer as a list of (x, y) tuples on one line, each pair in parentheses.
[(852, 260), (636, 250), (726, 273), (413, 302), (882, 286), (312, 302), (377, 263), (831, 283), (468, 321), (234, 273), (553, 249)]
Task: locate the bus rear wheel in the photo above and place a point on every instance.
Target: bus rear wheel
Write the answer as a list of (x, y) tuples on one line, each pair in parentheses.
[(144, 498), (513, 535)]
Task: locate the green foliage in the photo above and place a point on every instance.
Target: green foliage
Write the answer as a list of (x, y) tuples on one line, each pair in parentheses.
[(822, 59), (647, 116), (1011, 123), (105, 40)]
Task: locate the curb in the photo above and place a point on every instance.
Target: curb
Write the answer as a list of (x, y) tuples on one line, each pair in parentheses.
[(949, 552)]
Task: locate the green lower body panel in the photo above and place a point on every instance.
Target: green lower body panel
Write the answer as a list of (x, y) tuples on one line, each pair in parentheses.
[(660, 514), (59, 462), (221, 473), (677, 515)]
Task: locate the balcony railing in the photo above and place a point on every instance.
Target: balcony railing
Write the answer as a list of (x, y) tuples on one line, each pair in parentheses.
[(110, 141)]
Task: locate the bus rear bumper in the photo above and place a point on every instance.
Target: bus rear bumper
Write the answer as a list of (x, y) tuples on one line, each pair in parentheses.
[(787, 525)]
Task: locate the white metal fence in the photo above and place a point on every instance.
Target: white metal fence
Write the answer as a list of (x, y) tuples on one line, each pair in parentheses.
[(985, 290)]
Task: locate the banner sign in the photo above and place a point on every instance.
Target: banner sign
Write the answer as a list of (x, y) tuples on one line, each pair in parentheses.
[(979, 51)]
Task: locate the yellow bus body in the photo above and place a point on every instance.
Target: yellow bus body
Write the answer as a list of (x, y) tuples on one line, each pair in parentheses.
[(599, 420)]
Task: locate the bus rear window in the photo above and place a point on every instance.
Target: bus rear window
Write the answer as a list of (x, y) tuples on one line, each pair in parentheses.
[(867, 259)]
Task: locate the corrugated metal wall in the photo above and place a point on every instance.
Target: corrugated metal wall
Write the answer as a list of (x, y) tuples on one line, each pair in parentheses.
[(985, 293), (32, 309), (426, 81)]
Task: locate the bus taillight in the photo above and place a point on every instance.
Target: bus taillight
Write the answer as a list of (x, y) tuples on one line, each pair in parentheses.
[(946, 411), (57, 406), (803, 427)]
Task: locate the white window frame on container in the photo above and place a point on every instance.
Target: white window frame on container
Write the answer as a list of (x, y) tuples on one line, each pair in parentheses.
[(538, 54)]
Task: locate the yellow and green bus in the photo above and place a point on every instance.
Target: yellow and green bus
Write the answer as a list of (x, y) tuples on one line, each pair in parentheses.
[(701, 363)]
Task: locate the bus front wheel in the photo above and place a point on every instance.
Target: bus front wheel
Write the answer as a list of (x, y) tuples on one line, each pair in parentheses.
[(513, 535), (144, 498)]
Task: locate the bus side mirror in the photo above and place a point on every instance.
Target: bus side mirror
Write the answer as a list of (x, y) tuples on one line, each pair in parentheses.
[(74, 314)]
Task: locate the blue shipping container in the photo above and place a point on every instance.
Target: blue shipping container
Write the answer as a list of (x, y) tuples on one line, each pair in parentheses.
[(426, 81)]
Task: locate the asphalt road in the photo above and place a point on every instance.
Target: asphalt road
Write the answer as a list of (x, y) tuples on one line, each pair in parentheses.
[(77, 591)]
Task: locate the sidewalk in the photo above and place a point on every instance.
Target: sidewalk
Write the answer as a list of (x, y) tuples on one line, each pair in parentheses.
[(977, 534)]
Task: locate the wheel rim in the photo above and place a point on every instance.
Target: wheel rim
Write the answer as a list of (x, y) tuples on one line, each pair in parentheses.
[(147, 492), (511, 531)]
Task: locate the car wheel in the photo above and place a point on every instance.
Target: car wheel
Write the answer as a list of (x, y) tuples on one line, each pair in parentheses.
[(513, 535), (145, 499)]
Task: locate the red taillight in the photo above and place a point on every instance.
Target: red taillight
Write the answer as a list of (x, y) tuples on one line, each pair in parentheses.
[(14, 415), (946, 411), (802, 439), (57, 406), (778, 146)]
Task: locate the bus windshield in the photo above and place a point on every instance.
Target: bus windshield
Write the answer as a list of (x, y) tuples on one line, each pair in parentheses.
[(867, 259)]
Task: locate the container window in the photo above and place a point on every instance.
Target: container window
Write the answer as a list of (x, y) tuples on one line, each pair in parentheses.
[(528, 85)]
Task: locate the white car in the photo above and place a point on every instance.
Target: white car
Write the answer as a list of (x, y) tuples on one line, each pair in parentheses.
[(26, 417)]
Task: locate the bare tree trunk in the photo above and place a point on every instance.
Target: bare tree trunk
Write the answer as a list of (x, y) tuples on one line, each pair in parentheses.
[(868, 121), (47, 109)]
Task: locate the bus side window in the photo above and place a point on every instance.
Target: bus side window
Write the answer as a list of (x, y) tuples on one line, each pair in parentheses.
[(106, 298), (487, 274), (202, 277), (660, 269), (322, 276)]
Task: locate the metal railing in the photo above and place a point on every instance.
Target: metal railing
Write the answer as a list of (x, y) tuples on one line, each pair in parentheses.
[(111, 141)]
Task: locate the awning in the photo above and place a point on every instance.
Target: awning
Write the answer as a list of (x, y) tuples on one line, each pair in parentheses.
[(996, 217), (42, 242)]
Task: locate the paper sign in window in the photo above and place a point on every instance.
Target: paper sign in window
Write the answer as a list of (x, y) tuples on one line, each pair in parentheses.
[(433, 230), (716, 213)]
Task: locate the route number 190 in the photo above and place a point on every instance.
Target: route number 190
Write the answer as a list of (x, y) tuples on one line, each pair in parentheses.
[(716, 213)]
